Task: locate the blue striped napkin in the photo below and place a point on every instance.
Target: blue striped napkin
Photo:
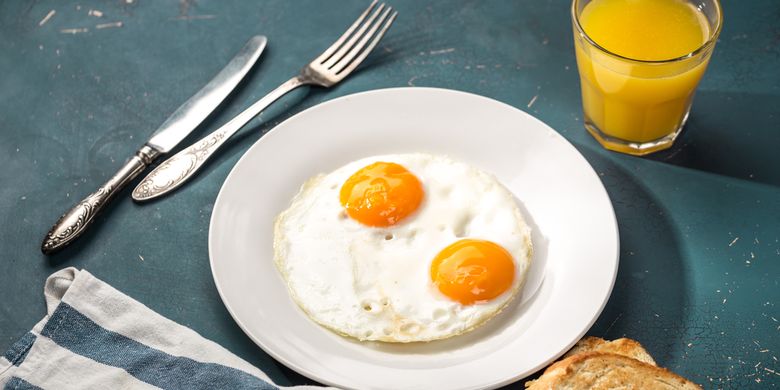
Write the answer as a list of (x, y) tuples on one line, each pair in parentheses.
[(96, 337)]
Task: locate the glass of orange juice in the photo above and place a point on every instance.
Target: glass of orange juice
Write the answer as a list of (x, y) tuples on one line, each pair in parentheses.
[(639, 63)]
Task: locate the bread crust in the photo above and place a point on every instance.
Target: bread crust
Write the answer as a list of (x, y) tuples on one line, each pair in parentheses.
[(595, 363), (621, 346), (604, 370)]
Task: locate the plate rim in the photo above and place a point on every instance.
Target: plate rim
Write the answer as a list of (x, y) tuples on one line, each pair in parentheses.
[(307, 373)]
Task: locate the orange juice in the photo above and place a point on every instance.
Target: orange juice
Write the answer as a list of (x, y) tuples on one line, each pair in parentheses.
[(638, 67)]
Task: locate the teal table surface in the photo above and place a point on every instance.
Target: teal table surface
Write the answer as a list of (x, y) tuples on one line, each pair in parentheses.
[(81, 90)]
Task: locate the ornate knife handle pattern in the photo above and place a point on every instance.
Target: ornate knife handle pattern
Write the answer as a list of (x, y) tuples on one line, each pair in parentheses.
[(75, 221), (175, 170)]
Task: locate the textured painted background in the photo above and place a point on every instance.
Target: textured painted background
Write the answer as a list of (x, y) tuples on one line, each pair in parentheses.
[(81, 90)]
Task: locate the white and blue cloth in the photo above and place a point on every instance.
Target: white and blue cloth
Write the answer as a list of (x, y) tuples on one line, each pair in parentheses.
[(96, 337)]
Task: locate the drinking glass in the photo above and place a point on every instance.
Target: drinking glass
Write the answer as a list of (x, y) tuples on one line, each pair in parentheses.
[(637, 106)]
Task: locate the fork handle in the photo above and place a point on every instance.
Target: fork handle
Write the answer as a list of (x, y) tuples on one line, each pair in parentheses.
[(174, 171)]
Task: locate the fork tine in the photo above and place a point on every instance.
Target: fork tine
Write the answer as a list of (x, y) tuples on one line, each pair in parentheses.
[(350, 66), (344, 60), (351, 43), (332, 49)]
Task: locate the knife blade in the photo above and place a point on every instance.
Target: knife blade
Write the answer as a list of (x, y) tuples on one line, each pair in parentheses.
[(178, 125)]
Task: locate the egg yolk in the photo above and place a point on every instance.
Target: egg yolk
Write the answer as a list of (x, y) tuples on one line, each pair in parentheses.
[(381, 194), (471, 270)]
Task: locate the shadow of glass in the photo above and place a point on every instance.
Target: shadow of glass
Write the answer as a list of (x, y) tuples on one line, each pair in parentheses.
[(731, 134), (650, 298)]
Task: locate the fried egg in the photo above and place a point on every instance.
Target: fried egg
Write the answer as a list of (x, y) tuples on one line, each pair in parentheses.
[(402, 248)]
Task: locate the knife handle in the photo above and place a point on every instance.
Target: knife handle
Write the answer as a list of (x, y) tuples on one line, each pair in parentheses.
[(174, 171), (77, 219)]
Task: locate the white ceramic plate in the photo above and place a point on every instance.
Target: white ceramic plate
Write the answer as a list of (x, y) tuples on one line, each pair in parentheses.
[(575, 238)]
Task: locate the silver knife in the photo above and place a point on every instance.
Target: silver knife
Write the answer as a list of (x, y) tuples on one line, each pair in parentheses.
[(185, 119)]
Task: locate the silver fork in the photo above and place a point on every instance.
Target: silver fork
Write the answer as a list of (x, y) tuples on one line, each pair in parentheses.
[(332, 66)]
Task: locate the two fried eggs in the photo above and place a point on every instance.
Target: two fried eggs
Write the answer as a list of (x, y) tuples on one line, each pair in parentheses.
[(402, 248)]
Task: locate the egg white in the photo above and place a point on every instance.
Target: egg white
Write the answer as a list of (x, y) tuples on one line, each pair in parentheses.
[(374, 283)]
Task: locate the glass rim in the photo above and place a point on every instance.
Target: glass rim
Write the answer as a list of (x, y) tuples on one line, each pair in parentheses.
[(706, 45)]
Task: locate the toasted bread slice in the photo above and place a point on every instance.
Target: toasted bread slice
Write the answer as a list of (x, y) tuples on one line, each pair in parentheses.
[(603, 370), (623, 346)]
